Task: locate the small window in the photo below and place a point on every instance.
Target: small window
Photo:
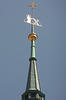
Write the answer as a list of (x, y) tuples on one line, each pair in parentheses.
[(33, 95)]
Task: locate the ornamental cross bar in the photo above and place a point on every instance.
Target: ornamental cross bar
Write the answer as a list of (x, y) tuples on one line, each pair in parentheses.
[(32, 5)]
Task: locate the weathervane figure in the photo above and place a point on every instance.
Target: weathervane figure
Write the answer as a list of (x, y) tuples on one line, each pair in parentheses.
[(32, 20)]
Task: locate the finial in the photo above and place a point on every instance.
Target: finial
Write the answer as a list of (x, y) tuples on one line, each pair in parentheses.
[(31, 20), (32, 5)]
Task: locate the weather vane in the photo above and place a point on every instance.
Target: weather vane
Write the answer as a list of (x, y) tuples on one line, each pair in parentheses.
[(31, 20)]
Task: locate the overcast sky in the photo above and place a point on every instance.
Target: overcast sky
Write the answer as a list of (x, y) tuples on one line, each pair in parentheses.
[(15, 48)]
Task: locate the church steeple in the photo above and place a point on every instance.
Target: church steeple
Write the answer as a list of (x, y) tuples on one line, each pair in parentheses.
[(33, 91)]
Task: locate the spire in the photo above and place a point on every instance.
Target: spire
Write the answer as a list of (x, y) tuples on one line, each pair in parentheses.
[(33, 91), (32, 43), (33, 79)]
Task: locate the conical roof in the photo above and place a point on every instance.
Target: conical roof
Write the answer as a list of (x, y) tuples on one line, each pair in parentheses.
[(33, 79)]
